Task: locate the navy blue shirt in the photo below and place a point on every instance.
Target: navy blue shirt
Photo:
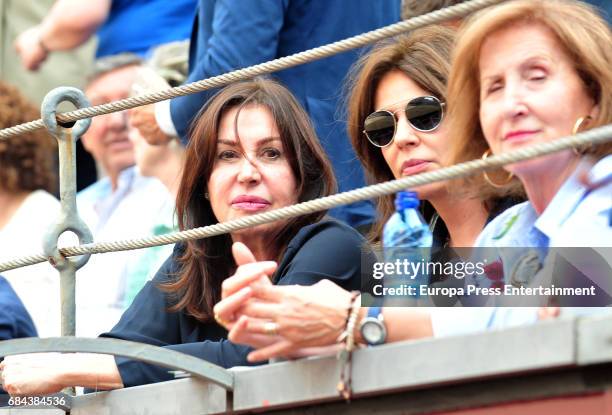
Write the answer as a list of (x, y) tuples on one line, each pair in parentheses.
[(324, 250), (227, 37)]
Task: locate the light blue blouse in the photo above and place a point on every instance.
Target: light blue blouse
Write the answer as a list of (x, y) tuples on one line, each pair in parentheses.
[(576, 217)]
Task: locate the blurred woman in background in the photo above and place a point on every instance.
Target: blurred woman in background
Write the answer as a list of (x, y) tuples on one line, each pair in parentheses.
[(28, 208)]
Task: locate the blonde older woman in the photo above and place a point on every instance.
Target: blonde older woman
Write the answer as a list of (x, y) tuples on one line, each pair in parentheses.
[(528, 72), (524, 72), (533, 72)]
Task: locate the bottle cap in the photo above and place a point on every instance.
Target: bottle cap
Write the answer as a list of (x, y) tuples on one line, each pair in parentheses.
[(406, 200)]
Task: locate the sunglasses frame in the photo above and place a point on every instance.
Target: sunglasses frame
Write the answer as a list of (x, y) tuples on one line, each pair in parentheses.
[(395, 121)]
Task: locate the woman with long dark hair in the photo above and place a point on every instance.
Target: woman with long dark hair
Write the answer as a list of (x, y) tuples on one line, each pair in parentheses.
[(252, 150)]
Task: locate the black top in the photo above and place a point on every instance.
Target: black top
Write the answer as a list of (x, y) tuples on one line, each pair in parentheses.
[(438, 228), (324, 250), (444, 254)]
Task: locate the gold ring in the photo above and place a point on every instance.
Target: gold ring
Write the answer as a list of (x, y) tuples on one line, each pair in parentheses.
[(270, 328)]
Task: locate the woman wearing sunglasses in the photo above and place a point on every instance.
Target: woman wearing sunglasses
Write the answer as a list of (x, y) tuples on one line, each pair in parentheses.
[(398, 128), (525, 72)]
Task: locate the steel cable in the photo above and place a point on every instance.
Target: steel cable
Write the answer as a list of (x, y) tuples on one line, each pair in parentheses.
[(452, 12), (591, 137)]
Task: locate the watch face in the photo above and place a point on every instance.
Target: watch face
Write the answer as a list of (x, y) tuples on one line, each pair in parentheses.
[(373, 332)]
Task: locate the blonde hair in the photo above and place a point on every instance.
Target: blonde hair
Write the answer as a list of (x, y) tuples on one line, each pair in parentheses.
[(583, 33)]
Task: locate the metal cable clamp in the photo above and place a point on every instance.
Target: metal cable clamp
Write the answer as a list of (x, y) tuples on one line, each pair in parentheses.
[(69, 219)]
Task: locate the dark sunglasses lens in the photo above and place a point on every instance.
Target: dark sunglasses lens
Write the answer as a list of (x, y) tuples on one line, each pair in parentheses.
[(424, 113), (380, 127)]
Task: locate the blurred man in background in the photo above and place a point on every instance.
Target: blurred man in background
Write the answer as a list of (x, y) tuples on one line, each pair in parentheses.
[(121, 205)]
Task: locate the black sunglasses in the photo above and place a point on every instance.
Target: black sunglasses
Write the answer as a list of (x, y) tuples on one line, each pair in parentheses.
[(422, 113)]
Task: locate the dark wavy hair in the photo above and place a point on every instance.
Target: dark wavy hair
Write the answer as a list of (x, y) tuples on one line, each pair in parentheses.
[(205, 263), (27, 161)]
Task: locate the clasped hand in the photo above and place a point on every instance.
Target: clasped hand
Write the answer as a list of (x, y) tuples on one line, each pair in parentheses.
[(279, 321)]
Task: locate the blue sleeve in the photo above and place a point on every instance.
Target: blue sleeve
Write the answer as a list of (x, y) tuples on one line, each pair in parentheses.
[(240, 36), (329, 250), (15, 321), (337, 253), (147, 319)]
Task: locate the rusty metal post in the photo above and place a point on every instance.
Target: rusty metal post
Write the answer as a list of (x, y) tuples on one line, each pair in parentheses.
[(69, 219)]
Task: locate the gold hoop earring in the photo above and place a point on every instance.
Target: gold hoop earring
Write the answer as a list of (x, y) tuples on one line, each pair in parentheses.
[(488, 179), (579, 122), (577, 127)]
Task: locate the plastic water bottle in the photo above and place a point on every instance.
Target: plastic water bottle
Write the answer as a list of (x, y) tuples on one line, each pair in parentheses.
[(407, 244)]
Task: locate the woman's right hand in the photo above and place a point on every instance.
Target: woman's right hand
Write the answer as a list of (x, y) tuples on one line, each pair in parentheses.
[(237, 289)]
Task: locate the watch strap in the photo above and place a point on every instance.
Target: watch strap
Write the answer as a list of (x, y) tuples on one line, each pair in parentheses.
[(374, 312)]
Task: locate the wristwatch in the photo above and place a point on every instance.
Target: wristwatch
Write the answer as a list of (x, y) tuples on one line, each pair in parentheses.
[(373, 328)]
